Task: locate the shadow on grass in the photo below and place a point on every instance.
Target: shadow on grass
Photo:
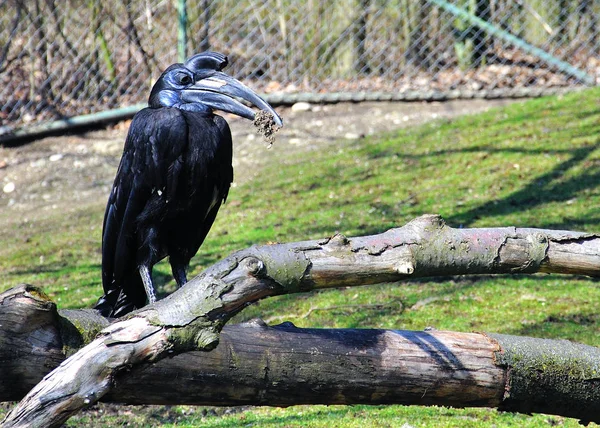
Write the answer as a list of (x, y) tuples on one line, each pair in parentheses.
[(550, 187), (582, 327), (539, 190), (543, 189), (377, 153), (59, 269)]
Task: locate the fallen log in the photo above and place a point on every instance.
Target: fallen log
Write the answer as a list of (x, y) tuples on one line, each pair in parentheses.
[(255, 364), (191, 318)]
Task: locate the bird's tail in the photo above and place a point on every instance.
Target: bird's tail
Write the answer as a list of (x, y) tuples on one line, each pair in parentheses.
[(117, 301)]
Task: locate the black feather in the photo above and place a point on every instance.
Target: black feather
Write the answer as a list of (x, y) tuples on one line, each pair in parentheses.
[(163, 200), (173, 177)]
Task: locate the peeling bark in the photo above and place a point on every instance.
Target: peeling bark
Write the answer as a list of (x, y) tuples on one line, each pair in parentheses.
[(192, 318)]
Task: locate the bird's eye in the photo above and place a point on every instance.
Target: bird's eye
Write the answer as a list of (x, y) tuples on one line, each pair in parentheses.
[(184, 79)]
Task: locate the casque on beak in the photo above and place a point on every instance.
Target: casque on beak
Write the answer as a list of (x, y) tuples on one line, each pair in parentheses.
[(218, 90)]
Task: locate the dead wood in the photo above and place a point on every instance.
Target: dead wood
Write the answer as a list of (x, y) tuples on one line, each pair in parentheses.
[(192, 317)]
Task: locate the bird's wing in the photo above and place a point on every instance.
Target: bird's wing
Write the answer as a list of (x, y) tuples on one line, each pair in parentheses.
[(206, 179), (154, 142), (220, 177)]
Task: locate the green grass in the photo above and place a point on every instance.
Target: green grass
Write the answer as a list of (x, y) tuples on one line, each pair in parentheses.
[(533, 164), (375, 416), (60, 253)]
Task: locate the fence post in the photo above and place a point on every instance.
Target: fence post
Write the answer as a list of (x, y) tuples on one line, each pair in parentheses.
[(182, 30)]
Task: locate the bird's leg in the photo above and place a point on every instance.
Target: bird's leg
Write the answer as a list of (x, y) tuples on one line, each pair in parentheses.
[(148, 284), (179, 274)]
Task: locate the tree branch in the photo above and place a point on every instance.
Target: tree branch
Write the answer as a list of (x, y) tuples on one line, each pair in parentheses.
[(192, 317)]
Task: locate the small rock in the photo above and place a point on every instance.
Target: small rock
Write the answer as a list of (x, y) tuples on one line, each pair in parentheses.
[(301, 106), (37, 163), (82, 149), (9, 187)]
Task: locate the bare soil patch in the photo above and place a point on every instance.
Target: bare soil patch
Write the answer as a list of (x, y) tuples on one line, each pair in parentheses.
[(70, 172)]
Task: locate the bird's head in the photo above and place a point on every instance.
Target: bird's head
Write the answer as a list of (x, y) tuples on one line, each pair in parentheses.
[(199, 85)]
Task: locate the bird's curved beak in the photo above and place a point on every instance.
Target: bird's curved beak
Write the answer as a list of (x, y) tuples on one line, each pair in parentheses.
[(218, 90)]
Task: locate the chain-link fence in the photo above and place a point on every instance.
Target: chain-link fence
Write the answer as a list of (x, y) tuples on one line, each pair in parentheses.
[(65, 58)]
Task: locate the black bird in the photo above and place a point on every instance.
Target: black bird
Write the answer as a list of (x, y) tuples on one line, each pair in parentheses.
[(174, 174)]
